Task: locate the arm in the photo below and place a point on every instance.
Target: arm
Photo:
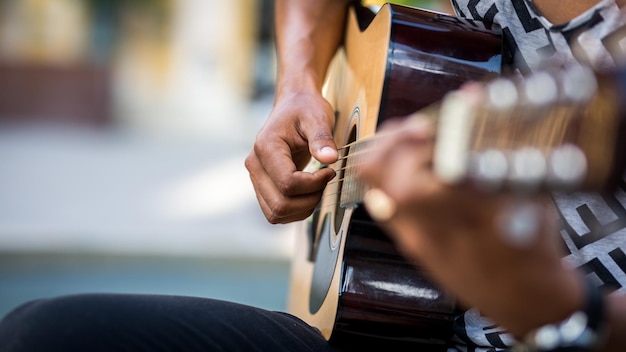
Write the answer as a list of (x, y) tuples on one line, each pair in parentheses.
[(308, 34), (616, 319)]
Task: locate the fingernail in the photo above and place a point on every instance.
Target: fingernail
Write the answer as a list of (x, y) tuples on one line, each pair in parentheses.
[(379, 205), (328, 151)]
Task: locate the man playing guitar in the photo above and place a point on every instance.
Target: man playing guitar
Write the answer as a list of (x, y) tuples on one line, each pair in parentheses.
[(494, 253)]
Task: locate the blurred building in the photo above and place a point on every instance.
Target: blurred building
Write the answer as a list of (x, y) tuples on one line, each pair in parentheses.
[(156, 65), (44, 64), (144, 64)]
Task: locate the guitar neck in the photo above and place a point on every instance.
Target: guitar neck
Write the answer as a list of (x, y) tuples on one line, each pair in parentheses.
[(552, 131)]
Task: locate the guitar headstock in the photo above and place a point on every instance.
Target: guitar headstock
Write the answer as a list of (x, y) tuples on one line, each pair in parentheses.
[(555, 129)]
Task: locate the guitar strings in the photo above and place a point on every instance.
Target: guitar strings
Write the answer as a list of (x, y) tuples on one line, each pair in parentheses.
[(347, 168)]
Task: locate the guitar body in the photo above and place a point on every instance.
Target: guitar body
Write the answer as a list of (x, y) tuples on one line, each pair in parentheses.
[(347, 277)]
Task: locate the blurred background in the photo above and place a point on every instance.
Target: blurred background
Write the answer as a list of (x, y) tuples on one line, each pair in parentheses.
[(123, 130)]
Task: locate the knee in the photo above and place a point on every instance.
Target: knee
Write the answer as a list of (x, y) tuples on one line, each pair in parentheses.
[(44, 324), (39, 312)]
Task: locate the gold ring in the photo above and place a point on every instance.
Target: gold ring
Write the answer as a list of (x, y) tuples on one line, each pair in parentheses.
[(379, 205)]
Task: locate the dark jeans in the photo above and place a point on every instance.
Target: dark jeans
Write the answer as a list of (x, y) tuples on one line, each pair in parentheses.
[(117, 322), (136, 323)]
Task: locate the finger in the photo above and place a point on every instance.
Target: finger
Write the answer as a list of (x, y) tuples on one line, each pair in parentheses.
[(317, 130), (402, 144), (277, 164), (379, 205), (290, 210), (276, 206), (419, 127), (371, 168), (410, 239), (417, 124)]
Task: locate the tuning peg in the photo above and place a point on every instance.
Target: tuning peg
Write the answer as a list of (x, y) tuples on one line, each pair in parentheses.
[(567, 166), (502, 94), (541, 89), (579, 83), (528, 168), (489, 168)]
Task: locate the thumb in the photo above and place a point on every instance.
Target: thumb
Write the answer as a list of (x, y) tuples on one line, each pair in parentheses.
[(322, 145)]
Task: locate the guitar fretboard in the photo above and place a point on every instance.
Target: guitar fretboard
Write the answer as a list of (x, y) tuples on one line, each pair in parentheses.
[(549, 131)]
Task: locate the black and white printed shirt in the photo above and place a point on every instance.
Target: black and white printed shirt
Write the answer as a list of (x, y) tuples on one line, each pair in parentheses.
[(594, 227), (533, 39)]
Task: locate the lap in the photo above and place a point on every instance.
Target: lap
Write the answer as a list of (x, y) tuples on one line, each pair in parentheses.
[(115, 322), (142, 323)]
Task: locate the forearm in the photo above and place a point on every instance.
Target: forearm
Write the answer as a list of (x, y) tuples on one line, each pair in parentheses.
[(616, 323), (308, 33)]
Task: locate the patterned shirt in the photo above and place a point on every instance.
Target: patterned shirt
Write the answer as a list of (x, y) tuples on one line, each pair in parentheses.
[(532, 38), (594, 227)]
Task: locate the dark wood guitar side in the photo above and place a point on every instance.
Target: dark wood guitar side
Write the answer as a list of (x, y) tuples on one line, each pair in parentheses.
[(347, 277)]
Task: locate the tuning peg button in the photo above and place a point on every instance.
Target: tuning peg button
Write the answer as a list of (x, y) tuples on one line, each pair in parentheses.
[(541, 89), (502, 94), (528, 168), (567, 166), (579, 83), (489, 169)]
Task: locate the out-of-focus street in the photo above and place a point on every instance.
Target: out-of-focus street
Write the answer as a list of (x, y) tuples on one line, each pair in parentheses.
[(116, 191), (123, 132)]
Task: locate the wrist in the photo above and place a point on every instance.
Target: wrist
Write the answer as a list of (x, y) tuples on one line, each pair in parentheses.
[(303, 81), (582, 331)]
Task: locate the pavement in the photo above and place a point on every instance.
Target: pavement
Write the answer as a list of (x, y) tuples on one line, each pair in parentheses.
[(123, 190)]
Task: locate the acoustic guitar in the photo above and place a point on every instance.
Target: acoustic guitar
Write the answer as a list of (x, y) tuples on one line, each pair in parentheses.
[(560, 128), (347, 277)]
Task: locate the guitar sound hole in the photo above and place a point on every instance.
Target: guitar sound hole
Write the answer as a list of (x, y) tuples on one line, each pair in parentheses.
[(323, 271)]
